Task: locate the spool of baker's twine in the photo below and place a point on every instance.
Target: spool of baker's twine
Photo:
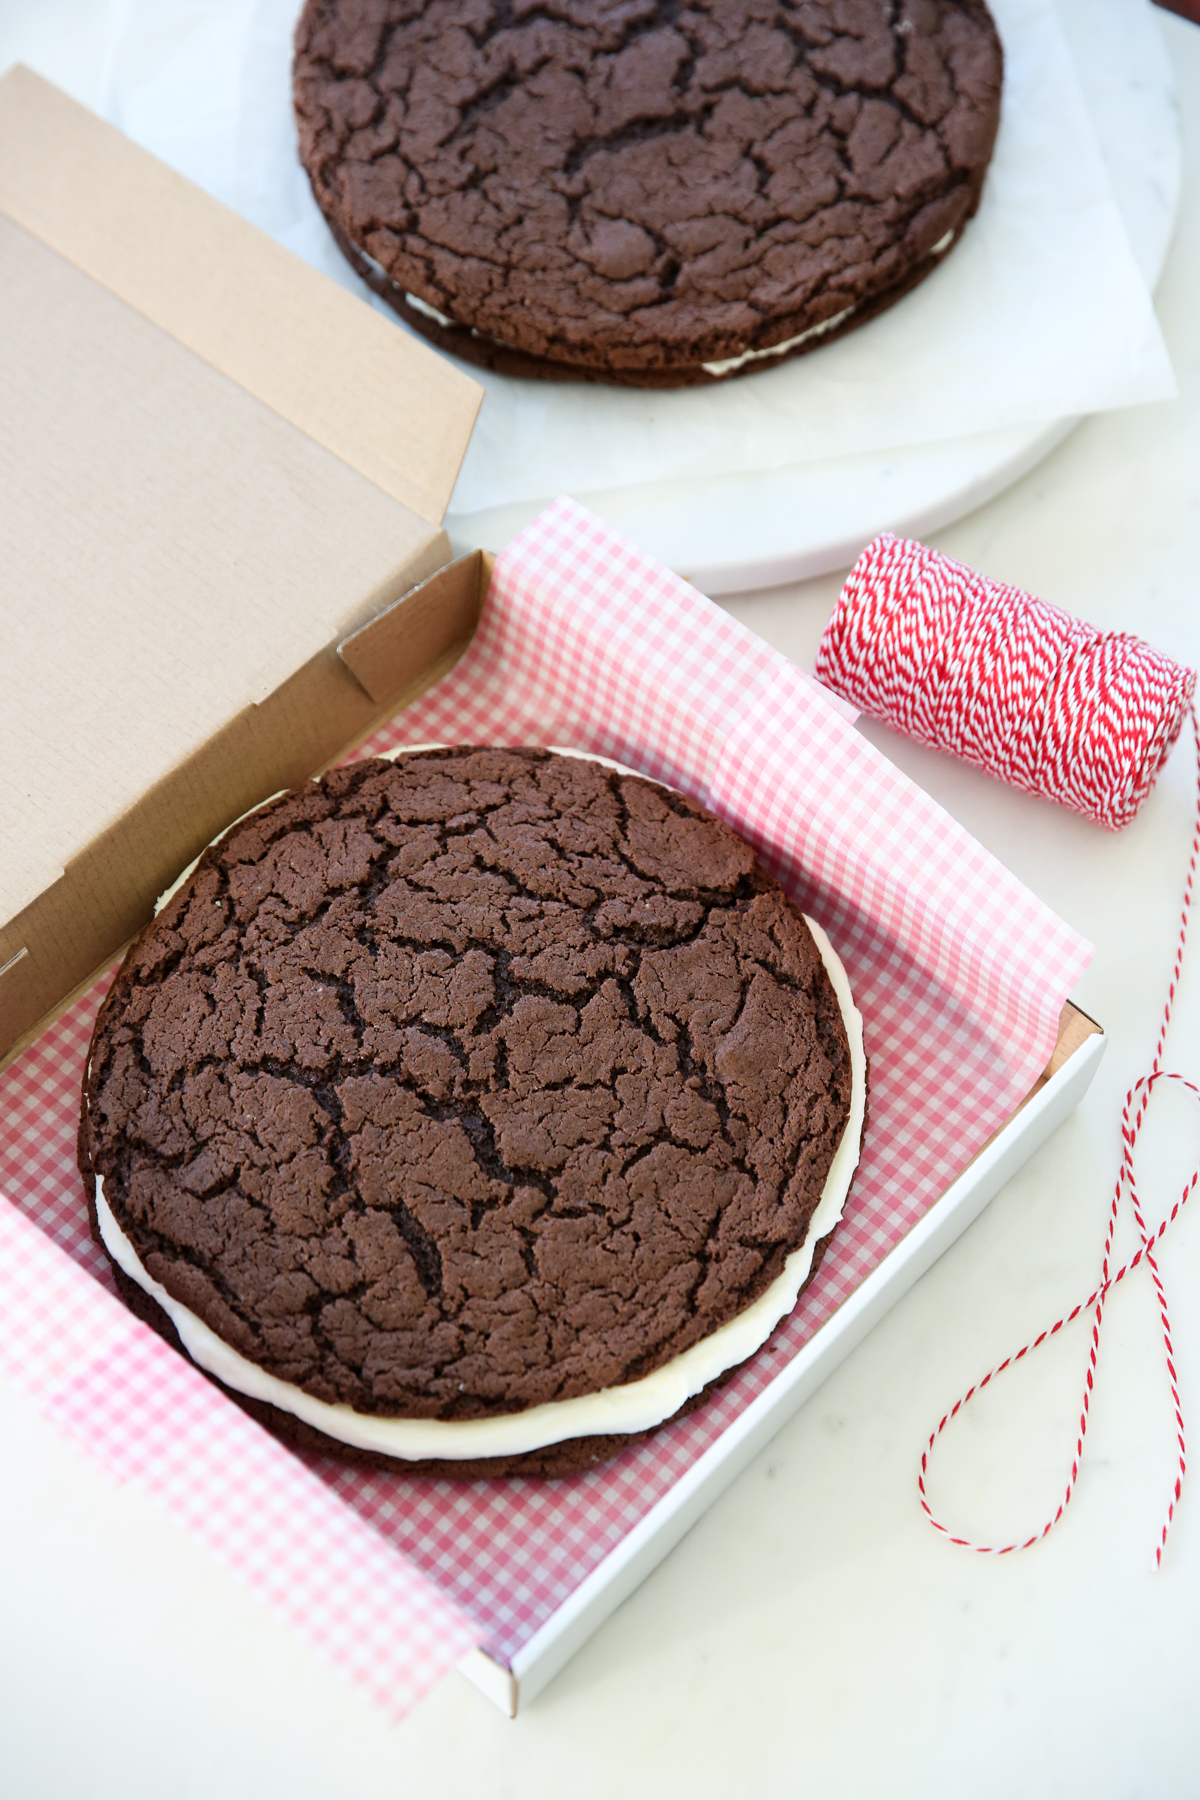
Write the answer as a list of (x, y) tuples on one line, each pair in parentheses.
[(993, 675), (1051, 705)]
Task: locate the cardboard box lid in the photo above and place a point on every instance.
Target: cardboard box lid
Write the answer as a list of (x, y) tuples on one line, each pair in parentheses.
[(378, 398), (214, 463)]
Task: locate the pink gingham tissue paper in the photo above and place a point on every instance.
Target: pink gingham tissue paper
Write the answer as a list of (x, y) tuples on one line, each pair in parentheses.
[(586, 643), (147, 1417)]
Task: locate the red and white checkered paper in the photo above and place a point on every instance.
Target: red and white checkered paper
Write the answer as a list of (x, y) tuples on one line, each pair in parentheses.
[(959, 971)]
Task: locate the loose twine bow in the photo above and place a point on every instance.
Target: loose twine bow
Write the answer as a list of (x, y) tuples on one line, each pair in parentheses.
[(1051, 705)]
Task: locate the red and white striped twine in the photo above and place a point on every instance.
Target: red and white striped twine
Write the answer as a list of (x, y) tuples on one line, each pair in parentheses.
[(1060, 709), (991, 674)]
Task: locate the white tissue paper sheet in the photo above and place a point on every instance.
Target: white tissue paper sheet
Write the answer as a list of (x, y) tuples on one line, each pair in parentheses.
[(1039, 313)]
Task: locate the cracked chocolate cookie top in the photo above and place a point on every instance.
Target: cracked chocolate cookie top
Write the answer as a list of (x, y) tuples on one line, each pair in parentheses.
[(449, 1086), (646, 185)]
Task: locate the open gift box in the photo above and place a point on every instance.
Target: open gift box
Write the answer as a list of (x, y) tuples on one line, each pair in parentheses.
[(249, 531)]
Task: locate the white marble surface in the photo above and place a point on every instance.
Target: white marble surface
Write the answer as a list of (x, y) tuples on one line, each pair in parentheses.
[(811, 1635)]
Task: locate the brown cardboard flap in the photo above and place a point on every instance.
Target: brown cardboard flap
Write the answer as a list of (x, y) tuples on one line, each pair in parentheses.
[(172, 549), (420, 636), (381, 401), (1074, 1029)]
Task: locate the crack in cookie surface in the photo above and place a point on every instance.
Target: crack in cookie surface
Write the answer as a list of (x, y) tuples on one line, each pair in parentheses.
[(456, 1085), (647, 184)]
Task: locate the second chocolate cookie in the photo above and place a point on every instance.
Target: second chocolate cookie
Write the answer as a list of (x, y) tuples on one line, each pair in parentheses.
[(650, 193)]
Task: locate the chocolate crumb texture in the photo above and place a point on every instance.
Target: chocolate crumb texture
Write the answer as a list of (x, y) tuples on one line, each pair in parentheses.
[(453, 1085), (638, 188)]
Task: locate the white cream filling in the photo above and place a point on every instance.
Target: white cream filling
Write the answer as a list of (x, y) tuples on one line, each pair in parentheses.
[(430, 312), (814, 331), (633, 1406), (711, 368), (736, 362)]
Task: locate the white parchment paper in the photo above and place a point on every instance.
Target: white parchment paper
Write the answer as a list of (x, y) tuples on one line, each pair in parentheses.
[(1039, 313)]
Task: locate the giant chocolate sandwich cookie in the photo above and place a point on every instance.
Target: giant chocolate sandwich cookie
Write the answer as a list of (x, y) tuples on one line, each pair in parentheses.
[(477, 1109), (647, 192)]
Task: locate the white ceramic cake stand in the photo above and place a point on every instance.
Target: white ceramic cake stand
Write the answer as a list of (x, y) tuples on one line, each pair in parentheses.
[(732, 533)]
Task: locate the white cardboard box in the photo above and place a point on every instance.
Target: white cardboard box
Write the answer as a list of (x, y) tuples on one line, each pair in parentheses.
[(1081, 1044)]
